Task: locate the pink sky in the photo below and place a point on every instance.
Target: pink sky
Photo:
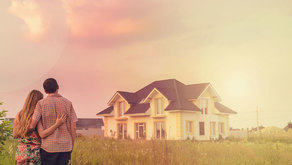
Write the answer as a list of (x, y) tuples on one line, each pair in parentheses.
[(94, 48)]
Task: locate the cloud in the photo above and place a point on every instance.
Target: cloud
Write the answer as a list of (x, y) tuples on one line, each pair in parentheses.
[(113, 23), (30, 13), (42, 19), (97, 24)]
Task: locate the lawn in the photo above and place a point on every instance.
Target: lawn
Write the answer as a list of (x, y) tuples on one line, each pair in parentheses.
[(106, 151)]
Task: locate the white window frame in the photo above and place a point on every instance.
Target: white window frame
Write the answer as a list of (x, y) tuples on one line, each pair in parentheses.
[(189, 127), (124, 130), (137, 130), (205, 105), (221, 128), (159, 106), (121, 108), (204, 130), (161, 127)]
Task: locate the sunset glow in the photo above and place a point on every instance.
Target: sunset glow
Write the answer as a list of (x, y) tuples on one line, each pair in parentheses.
[(95, 48)]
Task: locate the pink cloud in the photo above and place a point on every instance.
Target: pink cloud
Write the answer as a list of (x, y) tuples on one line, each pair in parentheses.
[(97, 24), (108, 23)]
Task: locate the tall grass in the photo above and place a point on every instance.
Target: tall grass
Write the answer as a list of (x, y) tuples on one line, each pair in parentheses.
[(97, 150), (107, 151), (8, 154)]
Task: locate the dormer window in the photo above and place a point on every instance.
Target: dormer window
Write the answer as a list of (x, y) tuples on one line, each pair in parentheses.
[(159, 106), (204, 105), (121, 108)]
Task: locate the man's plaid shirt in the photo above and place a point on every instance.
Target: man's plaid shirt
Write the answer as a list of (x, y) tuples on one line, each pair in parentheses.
[(46, 111)]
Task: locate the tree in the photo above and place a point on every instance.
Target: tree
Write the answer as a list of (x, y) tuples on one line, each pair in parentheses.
[(5, 128)]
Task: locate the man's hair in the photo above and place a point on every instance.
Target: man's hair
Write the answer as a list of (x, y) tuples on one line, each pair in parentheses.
[(50, 85)]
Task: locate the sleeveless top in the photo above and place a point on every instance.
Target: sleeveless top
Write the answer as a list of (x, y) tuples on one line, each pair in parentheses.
[(28, 149)]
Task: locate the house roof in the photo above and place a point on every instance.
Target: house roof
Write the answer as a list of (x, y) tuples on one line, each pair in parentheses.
[(195, 90), (289, 126), (223, 109), (183, 105), (179, 95), (138, 108), (130, 97), (89, 123), (106, 111)]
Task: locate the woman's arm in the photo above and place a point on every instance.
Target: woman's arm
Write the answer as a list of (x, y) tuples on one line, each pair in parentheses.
[(44, 133), (15, 126)]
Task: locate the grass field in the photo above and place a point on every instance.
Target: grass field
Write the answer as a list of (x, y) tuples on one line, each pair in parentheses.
[(97, 150)]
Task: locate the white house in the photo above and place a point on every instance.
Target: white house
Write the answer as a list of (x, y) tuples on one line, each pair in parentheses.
[(167, 109)]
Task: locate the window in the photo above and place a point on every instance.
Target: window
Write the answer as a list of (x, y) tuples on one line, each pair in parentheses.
[(202, 128), (140, 130), (221, 128), (159, 106), (121, 108), (189, 127), (212, 128), (204, 104), (159, 128), (122, 130)]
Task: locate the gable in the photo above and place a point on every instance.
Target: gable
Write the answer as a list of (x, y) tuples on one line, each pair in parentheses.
[(210, 92), (125, 96), (154, 93)]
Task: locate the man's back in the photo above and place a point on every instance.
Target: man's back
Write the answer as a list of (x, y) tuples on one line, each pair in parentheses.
[(47, 111)]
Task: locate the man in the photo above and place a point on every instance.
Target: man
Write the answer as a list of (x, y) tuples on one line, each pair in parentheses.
[(56, 148)]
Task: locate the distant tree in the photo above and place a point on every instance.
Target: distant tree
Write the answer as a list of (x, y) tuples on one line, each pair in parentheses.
[(5, 128)]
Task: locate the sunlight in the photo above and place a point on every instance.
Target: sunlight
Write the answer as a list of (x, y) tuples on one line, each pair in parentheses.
[(242, 85)]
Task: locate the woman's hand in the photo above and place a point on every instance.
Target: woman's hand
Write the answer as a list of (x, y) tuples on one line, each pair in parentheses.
[(61, 119)]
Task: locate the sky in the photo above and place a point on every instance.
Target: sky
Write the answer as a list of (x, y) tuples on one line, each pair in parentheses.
[(97, 47)]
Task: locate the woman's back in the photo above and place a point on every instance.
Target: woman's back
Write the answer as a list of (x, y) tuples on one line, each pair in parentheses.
[(28, 149)]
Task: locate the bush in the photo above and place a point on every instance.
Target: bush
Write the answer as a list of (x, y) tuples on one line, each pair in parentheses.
[(5, 129)]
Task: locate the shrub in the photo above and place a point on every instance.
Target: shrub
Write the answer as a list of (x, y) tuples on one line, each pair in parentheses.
[(5, 129)]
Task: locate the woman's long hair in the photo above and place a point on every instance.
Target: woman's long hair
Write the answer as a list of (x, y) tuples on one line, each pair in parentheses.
[(25, 115)]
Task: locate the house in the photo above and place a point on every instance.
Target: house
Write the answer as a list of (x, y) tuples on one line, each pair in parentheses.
[(11, 121), (89, 127), (254, 129), (238, 133), (289, 126), (84, 126), (167, 109)]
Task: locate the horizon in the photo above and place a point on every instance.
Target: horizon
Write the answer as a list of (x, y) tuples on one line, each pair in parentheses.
[(95, 48)]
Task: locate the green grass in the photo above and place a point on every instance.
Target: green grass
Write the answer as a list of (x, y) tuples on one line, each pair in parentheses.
[(109, 151), (106, 151), (7, 155)]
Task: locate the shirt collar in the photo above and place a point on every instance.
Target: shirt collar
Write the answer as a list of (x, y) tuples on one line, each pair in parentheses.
[(54, 95)]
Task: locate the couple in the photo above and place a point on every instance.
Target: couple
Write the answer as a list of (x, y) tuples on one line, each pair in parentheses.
[(46, 128)]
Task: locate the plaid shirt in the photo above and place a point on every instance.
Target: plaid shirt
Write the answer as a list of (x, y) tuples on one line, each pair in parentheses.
[(47, 110)]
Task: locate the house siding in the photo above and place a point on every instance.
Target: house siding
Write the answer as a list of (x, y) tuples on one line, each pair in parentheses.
[(172, 126), (149, 126), (178, 126), (110, 127)]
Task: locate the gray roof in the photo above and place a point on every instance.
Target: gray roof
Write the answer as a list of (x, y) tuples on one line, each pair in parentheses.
[(89, 123), (223, 109), (176, 92), (138, 108)]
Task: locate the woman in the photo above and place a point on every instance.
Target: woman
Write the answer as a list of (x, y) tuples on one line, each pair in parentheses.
[(28, 150)]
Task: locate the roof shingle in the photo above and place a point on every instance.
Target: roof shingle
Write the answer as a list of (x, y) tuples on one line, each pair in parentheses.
[(106, 111), (89, 123), (138, 108), (223, 109)]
